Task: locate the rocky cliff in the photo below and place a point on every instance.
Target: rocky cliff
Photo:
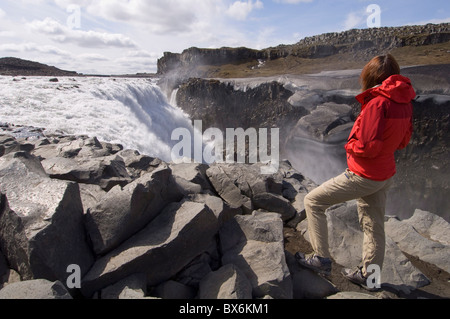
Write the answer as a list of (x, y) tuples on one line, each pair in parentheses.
[(197, 56), (80, 218), (355, 44), (373, 40), (221, 105)]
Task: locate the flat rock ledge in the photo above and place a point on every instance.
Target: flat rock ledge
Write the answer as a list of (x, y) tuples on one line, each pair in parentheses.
[(81, 218)]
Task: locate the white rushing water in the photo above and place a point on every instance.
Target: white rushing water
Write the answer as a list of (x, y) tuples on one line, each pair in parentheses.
[(132, 112)]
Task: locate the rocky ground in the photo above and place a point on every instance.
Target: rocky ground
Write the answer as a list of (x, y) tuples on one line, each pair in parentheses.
[(439, 287), (80, 218)]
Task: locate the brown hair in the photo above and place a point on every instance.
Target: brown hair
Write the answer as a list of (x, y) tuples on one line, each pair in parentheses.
[(378, 70)]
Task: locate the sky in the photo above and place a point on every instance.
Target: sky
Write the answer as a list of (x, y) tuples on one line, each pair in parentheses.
[(128, 36)]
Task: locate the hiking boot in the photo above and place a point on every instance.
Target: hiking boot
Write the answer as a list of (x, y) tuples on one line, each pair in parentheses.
[(357, 277), (315, 263)]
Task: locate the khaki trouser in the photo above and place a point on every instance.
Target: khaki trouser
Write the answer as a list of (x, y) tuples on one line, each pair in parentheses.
[(371, 196)]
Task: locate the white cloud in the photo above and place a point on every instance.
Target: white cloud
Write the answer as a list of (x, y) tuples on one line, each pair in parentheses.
[(92, 57), (156, 16), (33, 47), (142, 54), (240, 10), (7, 34), (63, 34), (170, 25), (353, 20)]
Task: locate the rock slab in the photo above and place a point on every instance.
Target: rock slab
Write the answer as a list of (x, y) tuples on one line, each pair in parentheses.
[(163, 248), (35, 289), (255, 244), (124, 211), (41, 221)]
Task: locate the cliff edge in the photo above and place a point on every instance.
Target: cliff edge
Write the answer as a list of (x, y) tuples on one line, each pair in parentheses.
[(412, 45)]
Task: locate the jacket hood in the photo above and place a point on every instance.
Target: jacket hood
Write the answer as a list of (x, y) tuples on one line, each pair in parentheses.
[(397, 88)]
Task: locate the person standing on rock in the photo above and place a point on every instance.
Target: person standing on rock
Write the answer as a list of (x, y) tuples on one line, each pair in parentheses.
[(383, 127)]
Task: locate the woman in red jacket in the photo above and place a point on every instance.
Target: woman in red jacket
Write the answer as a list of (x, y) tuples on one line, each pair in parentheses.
[(383, 127)]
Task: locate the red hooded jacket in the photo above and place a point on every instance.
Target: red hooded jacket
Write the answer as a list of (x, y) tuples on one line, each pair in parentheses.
[(383, 127)]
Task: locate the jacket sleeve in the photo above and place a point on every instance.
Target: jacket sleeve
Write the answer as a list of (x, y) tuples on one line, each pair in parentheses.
[(367, 141)]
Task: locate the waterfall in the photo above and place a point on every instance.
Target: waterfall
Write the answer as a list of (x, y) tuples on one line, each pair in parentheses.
[(173, 97), (131, 112)]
